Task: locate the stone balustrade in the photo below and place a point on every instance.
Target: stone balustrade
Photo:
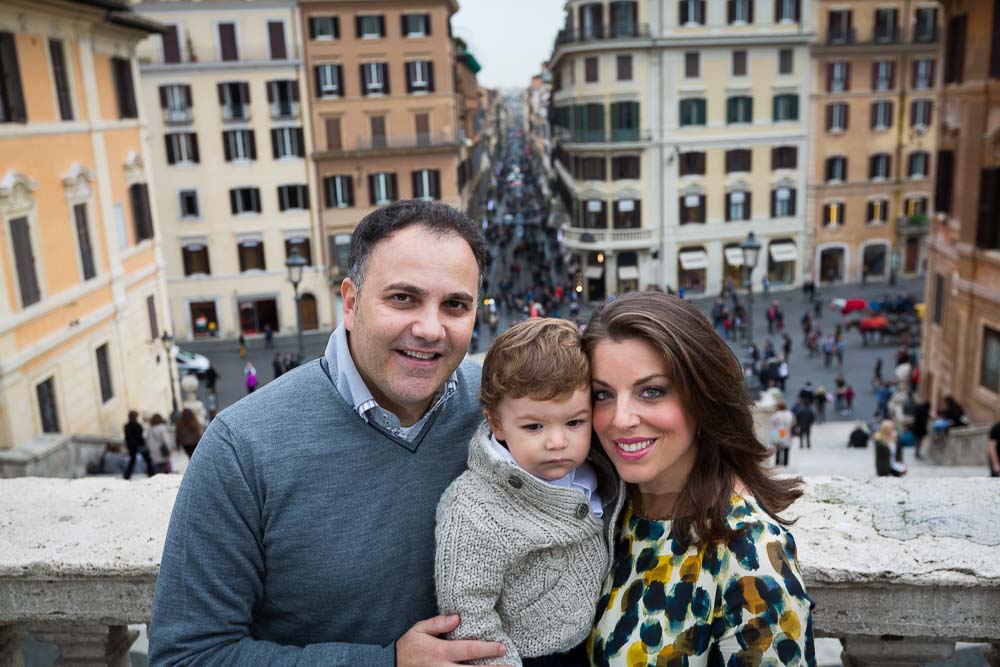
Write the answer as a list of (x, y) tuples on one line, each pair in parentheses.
[(965, 446), (900, 569)]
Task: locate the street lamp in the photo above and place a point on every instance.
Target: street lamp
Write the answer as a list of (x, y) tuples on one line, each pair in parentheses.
[(751, 251), (168, 348), (295, 263)]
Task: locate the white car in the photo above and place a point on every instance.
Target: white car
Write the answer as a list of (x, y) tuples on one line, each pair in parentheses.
[(190, 362)]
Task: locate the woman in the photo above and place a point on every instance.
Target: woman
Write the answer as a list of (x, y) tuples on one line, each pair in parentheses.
[(782, 422), (187, 431), (886, 461), (703, 565), (158, 443)]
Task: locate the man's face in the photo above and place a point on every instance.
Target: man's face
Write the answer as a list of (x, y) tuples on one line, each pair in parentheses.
[(411, 322)]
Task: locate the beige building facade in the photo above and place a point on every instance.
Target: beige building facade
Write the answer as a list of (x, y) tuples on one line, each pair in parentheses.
[(876, 73), (82, 289), (230, 138), (961, 336)]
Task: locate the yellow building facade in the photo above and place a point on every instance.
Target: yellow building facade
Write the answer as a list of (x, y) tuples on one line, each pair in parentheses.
[(230, 137), (82, 290)]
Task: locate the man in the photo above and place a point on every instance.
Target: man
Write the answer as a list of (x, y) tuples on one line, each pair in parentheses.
[(304, 531), (136, 444), (804, 419)]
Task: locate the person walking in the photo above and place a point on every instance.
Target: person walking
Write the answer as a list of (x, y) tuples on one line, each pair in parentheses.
[(782, 422), (187, 431), (158, 443), (821, 397), (249, 377), (211, 377), (268, 336), (786, 346), (804, 419), (243, 346), (135, 442), (828, 345)]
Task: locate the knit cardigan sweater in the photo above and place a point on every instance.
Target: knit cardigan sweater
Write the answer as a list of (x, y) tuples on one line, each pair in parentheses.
[(520, 560)]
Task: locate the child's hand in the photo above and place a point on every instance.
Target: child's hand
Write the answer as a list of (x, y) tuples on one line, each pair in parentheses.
[(421, 646)]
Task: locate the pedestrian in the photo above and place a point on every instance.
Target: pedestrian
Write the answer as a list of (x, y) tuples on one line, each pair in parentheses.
[(848, 400), (766, 284), (886, 463), (135, 442), (828, 346), (782, 372), (817, 309), (210, 377), (772, 316), (268, 336), (249, 377), (781, 432), (821, 398), (265, 475), (813, 342), (840, 385), (859, 436), (877, 374), (786, 345), (243, 347), (278, 365), (158, 444), (840, 344), (807, 394), (779, 317), (806, 326), (804, 419), (993, 450), (187, 431)]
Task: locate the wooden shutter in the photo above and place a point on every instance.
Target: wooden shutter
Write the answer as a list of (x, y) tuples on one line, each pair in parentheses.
[(10, 81), (685, 17), (435, 179), (385, 77), (333, 142), (357, 27), (188, 98), (300, 144), (364, 82), (798, 10), (774, 203), (701, 208), (847, 76), (371, 189), (411, 68), (61, 79), (122, 71), (276, 40), (328, 191), (729, 199), (750, 11), (730, 11), (336, 27), (227, 41), (312, 27), (318, 80), (341, 81), (270, 88), (988, 229), (349, 180), (430, 75), (186, 257), (226, 145), (747, 205), (171, 45), (163, 97), (193, 139), (274, 143), (995, 42), (245, 92), (427, 24), (168, 140), (393, 187), (415, 183), (24, 260), (233, 201), (381, 26), (829, 77), (251, 135), (945, 179)]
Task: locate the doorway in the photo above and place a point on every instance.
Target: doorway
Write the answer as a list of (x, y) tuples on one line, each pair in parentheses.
[(308, 312), (204, 321), (258, 313)]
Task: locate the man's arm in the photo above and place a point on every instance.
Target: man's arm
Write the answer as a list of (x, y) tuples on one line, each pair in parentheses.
[(212, 573)]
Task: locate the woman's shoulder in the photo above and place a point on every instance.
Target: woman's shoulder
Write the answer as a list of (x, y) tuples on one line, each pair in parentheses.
[(760, 548)]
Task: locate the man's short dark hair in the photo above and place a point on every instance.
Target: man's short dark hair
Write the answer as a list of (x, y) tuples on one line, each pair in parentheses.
[(437, 218)]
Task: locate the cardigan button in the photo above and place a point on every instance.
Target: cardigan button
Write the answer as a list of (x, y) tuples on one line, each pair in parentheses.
[(582, 511), (515, 482)]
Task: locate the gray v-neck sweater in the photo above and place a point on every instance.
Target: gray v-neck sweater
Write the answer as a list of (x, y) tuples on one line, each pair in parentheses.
[(302, 535)]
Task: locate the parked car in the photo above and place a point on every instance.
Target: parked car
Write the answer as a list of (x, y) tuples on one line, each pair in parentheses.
[(190, 362)]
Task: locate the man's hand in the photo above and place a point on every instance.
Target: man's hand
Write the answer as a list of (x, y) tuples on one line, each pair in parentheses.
[(421, 647)]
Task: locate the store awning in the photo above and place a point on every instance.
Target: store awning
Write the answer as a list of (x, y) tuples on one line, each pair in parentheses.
[(783, 252), (734, 256), (693, 260), (628, 272), (593, 272)]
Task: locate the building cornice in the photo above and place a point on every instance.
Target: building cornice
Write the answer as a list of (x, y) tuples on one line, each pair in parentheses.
[(219, 66)]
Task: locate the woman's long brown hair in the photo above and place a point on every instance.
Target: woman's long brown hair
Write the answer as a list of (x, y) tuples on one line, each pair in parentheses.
[(709, 381)]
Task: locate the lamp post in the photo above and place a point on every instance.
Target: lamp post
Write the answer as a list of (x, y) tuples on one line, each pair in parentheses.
[(295, 263), (751, 251), (168, 348)]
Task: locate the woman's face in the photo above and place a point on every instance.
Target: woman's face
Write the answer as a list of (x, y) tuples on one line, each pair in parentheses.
[(639, 418)]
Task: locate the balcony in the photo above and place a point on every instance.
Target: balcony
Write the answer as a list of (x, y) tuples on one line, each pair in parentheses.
[(440, 141), (899, 569), (235, 112), (616, 135), (581, 238), (178, 116), (284, 110), (841, 37), (925, 35), (599, 33), (888, 35)]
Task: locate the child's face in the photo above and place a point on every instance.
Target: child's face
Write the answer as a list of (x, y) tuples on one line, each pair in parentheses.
[(550, 438)]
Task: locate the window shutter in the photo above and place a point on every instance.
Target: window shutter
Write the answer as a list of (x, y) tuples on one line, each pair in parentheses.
[(730, 11), (794, 107), (381, 26), (415, 180), (847, 116), (232, 201), (913, 113), (245, 92), (163, 97), (988, 229), (685, 16), (729, 201), (402, 25), (875, 75), (829, 77), (188, 99), (349, 180), (729, 161), (798, 10), (328, 192), (10, 84), (341, 81), (221, 88), (357, 26), (430, 75), (791, 201), (385, 77), (700, 106), (847, 76), (774, 203), (300, 144), (371, 189), (364, 82), (318, 80), (294, 88), (171, 158), (274, 143), (829, 117), (283, 197), (269, 86), (750, 11), (393, 187), (913, 76), (874, 114), (24, 259), (410, 76), (276, 40), (435, 184), (931, 66), (336, 27), (701, 208), (829, 169), (171, 45), (253, 144), (427, 24), (226, 149), (255, 194), (195, 156), (312, 27), (945, 178)]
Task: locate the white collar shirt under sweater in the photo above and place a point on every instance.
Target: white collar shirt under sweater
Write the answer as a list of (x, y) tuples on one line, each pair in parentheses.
[(582, 478)]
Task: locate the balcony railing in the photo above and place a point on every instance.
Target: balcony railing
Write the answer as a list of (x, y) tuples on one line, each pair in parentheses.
[(401, 141), (616, 135), (181, 116), (284, 110), (845, 36), (899, 570), (890, 35), (235, 112), (599, 33), (925, 35), (607, 239)]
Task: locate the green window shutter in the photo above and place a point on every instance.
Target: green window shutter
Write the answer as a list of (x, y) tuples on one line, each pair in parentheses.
[(702, 113), (774, 107), (749, 109), (730, 109), (795, 107)]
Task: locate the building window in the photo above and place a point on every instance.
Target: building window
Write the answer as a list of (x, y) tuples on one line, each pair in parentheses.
[(623, 67), (740, 12), (293, 197), (420, 76), (988, 225), (234, 97), (920, 113), (283, 96), (591, 168), (883, 75), (692, 163), (882, 113), (926, 29), (989, 367), (693, 111), (329, 80), (879, 167), (11, 93), (592, 21), (739, 160), (786, 108), (624, 19), (382, 188), (45, 392), (923, 74), (324, 27), (786, 61), (189, 203), (886, 26), (692, 209), (244, 200), (783, 202), (195, 259), (625, 167), (595, 214), (182, 148), (840, 29), (692, 65), (104, 373), (836, 169), (837, 117), (739, 63), (944, 181), (251, 254), (878, 211), (228, 48), (838, 77), (426, 184), (691, 12), (954, 50), (301, 245), (590, 70), (121, 69), (142, 220), (60, 79), (370, 27), (737, 206), (918, 164), (24, 261), (83, 241), (287, 142), (338, 191), (416, 25), (154, 327), (739, 109), (625, 214), (624, 121), (939, 297), (787, 11), (833, 213), (175, 100), (784, 157), (915, 207), (239, 145), (374, 79)]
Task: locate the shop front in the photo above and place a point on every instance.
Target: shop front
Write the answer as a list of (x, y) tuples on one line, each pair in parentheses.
[(781, 258), (204, 319), (875, 261), (832, 264), (628, 272), (732, 271), (692, 269), (256, 314)]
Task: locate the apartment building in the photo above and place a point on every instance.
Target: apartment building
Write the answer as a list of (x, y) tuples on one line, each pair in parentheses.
[(82, 291), (704, 142), (230, 136), (961, 337), (471, 119), (875, 79), (384, 111)]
